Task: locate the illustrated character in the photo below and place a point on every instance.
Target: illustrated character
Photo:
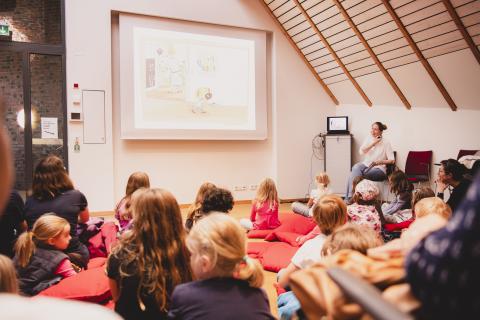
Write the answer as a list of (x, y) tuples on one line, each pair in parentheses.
[(203, 96)]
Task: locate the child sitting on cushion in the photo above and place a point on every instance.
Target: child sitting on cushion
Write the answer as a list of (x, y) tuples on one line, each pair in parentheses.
[(264, 213), (329, 213), (322, 189), (363, 211), (228, 282), (349, 236)]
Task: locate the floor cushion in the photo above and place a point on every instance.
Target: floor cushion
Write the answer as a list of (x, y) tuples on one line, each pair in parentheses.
[(89, 285), (260, 234), (292, 224), (273, 256)]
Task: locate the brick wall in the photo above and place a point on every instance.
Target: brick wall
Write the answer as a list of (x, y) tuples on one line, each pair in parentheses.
[(35, 21), (11, 85)]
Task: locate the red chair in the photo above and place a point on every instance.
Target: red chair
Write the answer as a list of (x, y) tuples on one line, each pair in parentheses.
[(463, 152), (418, 166)]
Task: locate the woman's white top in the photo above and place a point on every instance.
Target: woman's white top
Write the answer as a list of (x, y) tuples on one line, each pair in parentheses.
[(381, 151)]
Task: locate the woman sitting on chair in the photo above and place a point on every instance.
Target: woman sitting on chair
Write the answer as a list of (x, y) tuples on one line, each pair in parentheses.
[(378, 153)]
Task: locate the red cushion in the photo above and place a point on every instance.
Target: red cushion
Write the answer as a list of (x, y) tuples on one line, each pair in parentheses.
[(89, 285), (96, 246), (256, 249), (273, 256), (397, 226), (278, 256), (293, 223), (258, 234), (279, 289), (110, 305), (287, 237), (109, 234), (97, 262)]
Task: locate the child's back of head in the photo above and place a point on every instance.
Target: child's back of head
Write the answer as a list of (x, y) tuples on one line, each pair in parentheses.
[(399, 183), (366, 193), (8, 276), (222, 240), (155, 245), (353, 237), (193, 212), (267, 192), (421, 193), (330, 212), (322, 179), (217, 199), (433, 205), (136, 181), (47, 227)]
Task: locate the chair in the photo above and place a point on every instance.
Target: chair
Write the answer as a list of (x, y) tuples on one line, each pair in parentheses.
[(418, 165), (366, 295), (463, 152)]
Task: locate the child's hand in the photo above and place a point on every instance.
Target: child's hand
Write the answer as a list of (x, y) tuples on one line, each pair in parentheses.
[(301, 240)]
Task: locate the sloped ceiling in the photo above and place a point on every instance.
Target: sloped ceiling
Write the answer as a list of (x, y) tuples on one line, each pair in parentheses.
[(344, 40)]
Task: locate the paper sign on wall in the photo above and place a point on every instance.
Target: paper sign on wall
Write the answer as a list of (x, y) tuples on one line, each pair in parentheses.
[(49, 128)]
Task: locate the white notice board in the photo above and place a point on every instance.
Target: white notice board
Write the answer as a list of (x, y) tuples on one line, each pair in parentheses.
[(93, 116)]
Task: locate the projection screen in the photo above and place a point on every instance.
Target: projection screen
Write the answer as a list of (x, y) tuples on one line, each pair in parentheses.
[(191, 81)]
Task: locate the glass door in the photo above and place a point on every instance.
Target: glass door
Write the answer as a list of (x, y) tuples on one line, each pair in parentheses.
[(11, 86), (46, 107)]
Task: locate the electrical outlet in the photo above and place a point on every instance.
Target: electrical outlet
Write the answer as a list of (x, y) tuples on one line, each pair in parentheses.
[(253, 187), (243, 188)]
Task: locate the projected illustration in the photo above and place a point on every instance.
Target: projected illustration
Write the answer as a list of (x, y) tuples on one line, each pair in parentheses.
[(193, 81)]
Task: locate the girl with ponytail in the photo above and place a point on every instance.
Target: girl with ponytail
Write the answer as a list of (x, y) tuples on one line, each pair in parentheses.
[(228, 282), (39, 259)]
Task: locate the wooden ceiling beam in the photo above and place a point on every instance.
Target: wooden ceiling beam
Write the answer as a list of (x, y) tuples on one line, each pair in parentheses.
[(420, 55), (372, 54), (462, 29), (332, 52), (300, 54)]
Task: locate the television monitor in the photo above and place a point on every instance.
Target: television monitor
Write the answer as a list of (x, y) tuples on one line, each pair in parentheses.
[(337, 125)]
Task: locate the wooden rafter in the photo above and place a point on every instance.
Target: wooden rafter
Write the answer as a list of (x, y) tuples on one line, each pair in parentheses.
[(420, 55), (372, 54), (299, 52), (462, 29), (333, 53)]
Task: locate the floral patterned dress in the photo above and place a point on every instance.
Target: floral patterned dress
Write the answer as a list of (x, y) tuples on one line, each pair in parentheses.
[(365, 216)]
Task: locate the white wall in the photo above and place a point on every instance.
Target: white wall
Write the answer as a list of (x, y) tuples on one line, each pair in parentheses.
[(297, 110), (430, 124)]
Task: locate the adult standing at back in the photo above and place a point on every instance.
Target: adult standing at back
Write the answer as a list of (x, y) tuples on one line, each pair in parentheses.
[(53, 191), (377, 153)]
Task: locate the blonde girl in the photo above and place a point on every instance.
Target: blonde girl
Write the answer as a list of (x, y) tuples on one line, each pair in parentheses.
[(8, 276), (353, 237), (150, 259), (264, 212), (123, 214), (194, 211), (39, 256), (228, 281), (322, 180), (330, 213)]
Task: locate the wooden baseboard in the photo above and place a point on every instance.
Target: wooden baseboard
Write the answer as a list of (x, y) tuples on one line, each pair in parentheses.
[(101, 213), (182, 206)]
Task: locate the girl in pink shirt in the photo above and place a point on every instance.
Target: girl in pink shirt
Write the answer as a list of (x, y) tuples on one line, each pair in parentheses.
[(264, 213), (123, 213)]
